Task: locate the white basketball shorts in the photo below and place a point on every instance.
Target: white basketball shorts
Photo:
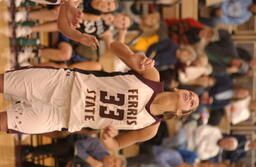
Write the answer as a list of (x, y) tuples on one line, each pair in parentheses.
[(41, 99)]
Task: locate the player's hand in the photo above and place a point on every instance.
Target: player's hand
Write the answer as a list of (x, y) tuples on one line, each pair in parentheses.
[(142, 63), (89, 40), (108, 139), (109, 132)]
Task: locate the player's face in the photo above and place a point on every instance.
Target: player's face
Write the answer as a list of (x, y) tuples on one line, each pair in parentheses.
[(187, 100), (105, 5), (121, 21), (112, 161)]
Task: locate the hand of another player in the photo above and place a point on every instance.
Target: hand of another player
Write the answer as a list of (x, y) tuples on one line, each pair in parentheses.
[(89, 40), (75, 16), (142, 62)]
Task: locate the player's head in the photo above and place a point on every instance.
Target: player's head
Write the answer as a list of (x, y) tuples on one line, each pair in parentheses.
[(187, 102), (181, 102), (114, 161)]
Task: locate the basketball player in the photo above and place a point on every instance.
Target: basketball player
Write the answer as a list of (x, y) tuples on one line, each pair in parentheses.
[(46, 100)]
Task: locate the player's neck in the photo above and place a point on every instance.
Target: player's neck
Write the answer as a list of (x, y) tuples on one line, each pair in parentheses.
[(163, 102)]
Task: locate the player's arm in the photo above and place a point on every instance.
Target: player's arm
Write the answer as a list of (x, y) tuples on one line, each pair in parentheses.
[(66, 28), (138, 62), (126, 139)]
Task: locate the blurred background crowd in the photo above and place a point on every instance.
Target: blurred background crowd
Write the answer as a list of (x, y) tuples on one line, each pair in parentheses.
[(206, 46)]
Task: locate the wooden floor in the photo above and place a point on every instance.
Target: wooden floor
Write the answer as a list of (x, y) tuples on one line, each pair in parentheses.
[(7, 156)]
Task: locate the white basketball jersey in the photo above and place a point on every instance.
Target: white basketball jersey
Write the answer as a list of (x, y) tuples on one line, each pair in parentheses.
[(119, 100)]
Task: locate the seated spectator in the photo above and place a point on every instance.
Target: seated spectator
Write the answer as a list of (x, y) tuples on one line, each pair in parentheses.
[(150, 32), (194, 72), (223, 46), (167, 54), (99, 26), (189, 31), (238, 111), (244, 146), (205, 140), (61, 57), (229, 66), (89, 151), (162, 157), (230, 12)]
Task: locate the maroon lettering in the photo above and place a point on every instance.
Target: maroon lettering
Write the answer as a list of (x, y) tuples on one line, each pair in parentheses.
[(111, 99), (87, 118), (133, 104), (89, 104), (132, 97), (129, 122), (90, 110), (105, 113), (133, 91), (132, 112)]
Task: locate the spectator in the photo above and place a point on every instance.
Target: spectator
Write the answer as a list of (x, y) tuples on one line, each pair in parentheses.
[(205, 140), (89, 151), (231, 12), (162, 157), (166, 54)]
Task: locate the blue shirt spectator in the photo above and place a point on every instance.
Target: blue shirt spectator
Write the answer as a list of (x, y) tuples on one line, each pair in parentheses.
[(165, 157), (164, 54), (90, 147), (235, 12)]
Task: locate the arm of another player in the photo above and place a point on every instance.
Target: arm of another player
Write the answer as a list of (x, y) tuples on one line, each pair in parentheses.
[(138, 62), (131, 137), (67, 28)]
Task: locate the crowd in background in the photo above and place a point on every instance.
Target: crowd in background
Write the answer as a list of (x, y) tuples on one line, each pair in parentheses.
[(190, 54)]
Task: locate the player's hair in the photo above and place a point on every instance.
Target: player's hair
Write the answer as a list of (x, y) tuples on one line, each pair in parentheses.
[(170, 114)]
